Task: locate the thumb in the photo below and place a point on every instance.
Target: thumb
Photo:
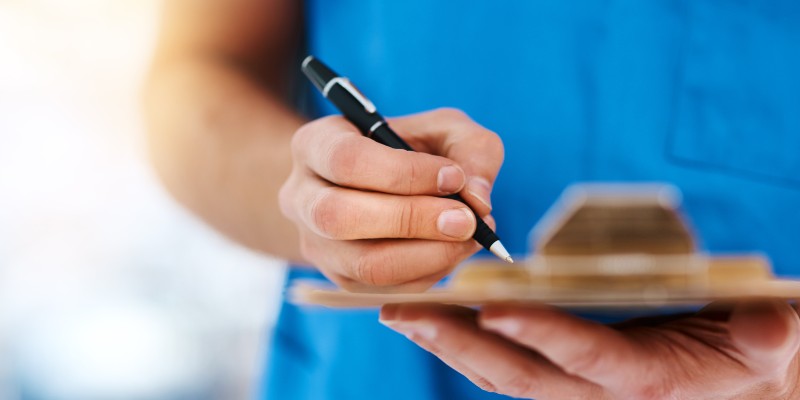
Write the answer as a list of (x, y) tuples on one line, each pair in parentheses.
[(767, 332)]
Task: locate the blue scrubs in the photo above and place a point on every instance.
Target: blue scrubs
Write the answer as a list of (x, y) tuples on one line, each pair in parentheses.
[(701, 93)]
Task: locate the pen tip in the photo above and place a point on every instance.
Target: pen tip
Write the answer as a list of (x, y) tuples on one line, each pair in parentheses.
[(500, 251)]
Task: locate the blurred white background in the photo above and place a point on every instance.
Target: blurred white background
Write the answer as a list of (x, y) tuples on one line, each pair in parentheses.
[(108, 289)]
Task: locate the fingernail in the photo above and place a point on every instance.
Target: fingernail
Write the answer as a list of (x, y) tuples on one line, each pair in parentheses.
[(450, 179), (503, 326), (481, 189), (413, 330), (458, 223)]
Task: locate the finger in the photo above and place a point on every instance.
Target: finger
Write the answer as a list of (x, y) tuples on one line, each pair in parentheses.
[(333, 149), (651, 320), (490, 221), (491, 362), (767, 332), (346, 214), (474, 377), (394, 265), (452, 134), (583, 348)]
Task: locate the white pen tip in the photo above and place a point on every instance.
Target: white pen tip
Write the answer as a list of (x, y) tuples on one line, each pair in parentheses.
[(500, 251)]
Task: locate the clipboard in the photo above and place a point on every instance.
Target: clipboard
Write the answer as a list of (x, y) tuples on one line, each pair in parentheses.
[(599, 247)]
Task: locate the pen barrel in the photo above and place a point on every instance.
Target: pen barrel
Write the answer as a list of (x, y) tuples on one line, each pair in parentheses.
[(385, 135), (372, 125), (353, 110), (484, 235)]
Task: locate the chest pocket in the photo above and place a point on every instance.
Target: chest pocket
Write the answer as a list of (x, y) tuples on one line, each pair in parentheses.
[(738, 101)]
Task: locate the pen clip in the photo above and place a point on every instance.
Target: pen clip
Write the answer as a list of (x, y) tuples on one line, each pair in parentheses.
[(345, 83)]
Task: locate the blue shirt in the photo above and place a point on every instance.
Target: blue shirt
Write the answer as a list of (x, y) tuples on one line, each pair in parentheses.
[(700, 93)]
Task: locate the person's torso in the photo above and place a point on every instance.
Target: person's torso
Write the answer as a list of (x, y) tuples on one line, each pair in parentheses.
[(698, 93)]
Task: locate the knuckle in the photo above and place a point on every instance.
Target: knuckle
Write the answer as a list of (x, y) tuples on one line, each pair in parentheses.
[(494, 144), (400, 178), (341, 161), (405, 223), (325, 214), (519, 385), (490, 143), (301, 137), (411, 176), (588, 362), (450, 113), (372, 268)]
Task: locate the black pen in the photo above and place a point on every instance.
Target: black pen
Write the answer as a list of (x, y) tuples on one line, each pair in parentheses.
[(363, 114)]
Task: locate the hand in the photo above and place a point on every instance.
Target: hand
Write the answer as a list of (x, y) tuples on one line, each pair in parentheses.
[(746, 350), (371, 216)]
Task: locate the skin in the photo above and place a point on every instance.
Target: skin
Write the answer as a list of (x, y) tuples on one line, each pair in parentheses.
[(219, 127), (370, 217), (744, 350), (227, 144)]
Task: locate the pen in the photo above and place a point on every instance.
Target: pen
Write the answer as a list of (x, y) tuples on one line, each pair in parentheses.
[(362, 113)]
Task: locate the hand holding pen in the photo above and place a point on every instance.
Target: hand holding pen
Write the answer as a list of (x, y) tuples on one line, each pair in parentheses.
[(373, 216)]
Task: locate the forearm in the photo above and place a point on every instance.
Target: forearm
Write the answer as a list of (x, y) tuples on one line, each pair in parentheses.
[(220, 144)]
